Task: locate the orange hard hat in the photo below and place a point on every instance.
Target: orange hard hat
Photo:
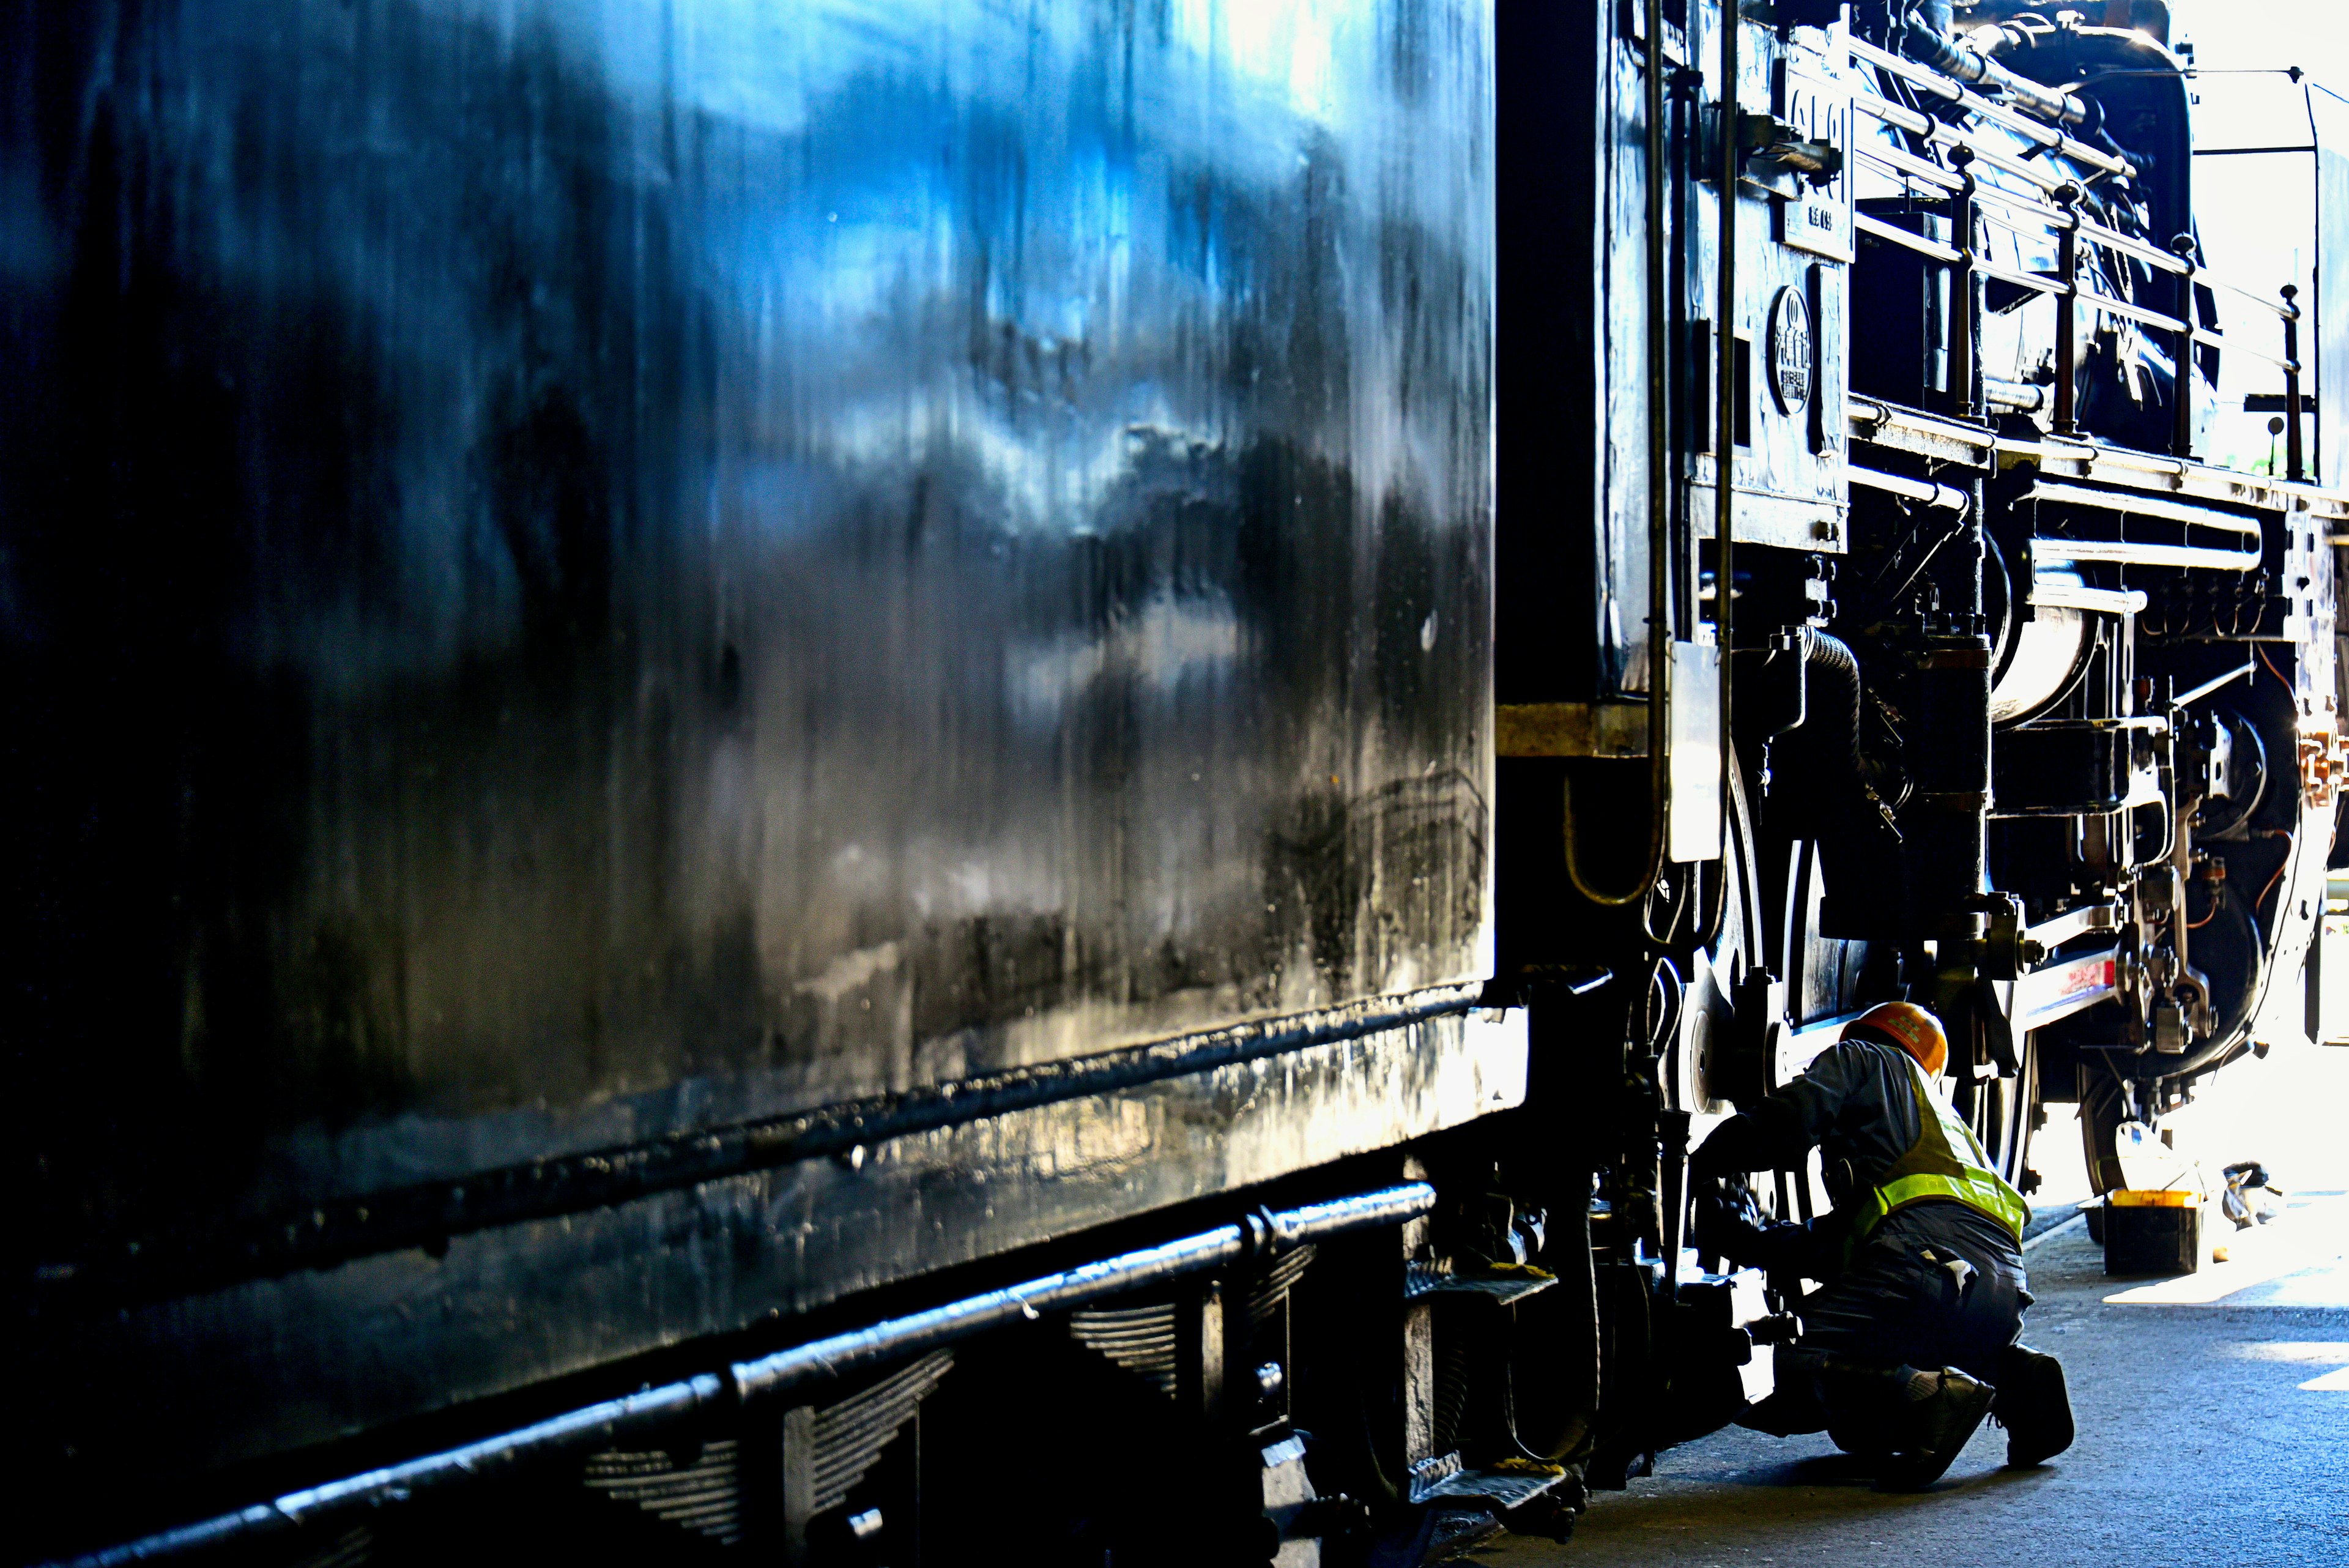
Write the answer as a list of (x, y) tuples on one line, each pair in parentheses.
[(1907, 1026)]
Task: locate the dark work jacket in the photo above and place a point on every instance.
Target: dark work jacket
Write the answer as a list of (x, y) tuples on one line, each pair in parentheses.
[(1856, 1104)]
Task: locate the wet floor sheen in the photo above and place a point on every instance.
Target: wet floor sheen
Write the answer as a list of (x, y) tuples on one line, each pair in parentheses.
[(2214, 1430)]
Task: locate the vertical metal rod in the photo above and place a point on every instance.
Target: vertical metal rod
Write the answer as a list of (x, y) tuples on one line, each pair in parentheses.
[(2295, 457), (1202, 1370), (2182, 380), (1660, 476), (1961, 287), (1660, 533), (1418, 1412), (2068, 312), (1725, 434), (798, 1483), (1672, 1197)]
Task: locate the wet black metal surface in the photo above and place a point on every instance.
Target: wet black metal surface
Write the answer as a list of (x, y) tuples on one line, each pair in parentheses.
[(574, 575)]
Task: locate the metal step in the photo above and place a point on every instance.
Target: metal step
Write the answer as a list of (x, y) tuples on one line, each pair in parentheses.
[(1499, 1286), (1445, 1480)]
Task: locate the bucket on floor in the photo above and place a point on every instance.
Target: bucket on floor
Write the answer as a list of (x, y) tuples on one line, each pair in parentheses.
[(2152, 1231)]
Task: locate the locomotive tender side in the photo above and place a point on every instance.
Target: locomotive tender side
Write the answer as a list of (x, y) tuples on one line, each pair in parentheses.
[(666, 664), (857, 741)]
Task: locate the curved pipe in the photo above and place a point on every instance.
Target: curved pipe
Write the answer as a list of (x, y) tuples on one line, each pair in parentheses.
[(1659, 511), (1831, 691), (1823, 748), (1940, 497)]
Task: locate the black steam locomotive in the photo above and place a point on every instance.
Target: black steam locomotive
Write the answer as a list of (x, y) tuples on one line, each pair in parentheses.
[(853, 781)]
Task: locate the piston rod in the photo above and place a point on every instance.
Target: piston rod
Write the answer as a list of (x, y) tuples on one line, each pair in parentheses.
[(2213, 684)]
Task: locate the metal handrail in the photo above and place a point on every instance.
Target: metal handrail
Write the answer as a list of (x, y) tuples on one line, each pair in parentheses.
[(2136, 313), (1899, 236), (1933, 131), (1910, 167), (2284, 312), (1967, 195), (2046, 212), (2145, 251), (2030, 280), (2237, 346)]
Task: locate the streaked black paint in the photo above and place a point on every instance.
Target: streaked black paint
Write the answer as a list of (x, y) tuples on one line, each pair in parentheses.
[(571, 575), (203, 1256), (275, 1364)]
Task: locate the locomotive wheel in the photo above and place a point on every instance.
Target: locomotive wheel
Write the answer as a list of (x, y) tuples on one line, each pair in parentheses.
[(1999, 1110), (1825, 975), (2101, 1114)]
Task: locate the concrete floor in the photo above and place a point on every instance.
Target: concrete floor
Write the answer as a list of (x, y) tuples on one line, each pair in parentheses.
[(2214, 1416)]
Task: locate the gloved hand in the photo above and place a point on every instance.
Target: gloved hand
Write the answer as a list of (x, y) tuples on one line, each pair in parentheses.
[(1727, 1219)]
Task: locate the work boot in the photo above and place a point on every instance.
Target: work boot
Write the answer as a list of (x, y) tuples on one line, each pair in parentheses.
[(1942, 1410), (2032, 1405)]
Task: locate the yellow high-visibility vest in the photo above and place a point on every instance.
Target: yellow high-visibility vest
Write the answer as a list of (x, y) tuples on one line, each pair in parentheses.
[(1945, 1163)]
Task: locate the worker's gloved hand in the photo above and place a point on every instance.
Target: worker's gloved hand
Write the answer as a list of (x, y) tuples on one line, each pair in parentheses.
[(1734, 1148), (1727, 1220)]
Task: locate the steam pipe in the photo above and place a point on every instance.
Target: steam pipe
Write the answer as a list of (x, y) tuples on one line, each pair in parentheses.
[(1940, 497), (1258, 1234), (596, 1425), (1955, 57)]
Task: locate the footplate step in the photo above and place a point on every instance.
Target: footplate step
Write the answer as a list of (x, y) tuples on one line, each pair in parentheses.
[(1446, 1479)]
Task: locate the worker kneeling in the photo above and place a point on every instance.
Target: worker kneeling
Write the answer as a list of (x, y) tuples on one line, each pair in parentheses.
[(1913, 1336)]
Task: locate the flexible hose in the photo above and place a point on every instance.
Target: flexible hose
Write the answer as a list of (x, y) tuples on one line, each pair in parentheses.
[(1824, 750)]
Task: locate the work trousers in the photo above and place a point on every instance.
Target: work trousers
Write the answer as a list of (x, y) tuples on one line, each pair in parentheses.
[(1936, 1286)]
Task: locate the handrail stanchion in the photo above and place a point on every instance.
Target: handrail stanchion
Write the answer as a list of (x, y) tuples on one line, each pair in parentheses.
[(2067, 309), (2182, 380), (1962, 316), (2295, 461)]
